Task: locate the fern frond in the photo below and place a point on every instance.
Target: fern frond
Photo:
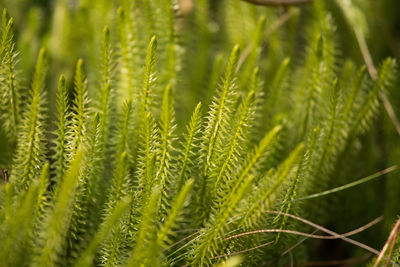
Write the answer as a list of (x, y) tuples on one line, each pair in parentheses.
[(52, 238), (190, 148), (147, 232), (128, 76), (167, 127), (88, 193), (9, 90), (120, 140), (42, 200), (220, 108), (113, 247), (267, 188), (19, 225), (209, 242), (106, 94), (217, 123), (149, 73), (164, 234), (86, 258), (30, 152), (60, 147), (256, 156), (369, 107), (230, 155), (146, 168), (79, 114)]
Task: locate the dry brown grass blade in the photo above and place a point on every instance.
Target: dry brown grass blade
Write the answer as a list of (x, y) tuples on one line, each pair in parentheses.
[(283, 3), (344, 262), (245, 250), (333, 234), (390, 241), (4, 173)]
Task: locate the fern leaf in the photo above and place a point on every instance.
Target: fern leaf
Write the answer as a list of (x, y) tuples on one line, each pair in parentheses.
[(30, 152), (86, 259), (369, 107), (267, 188), (149, 73), (9, 91), (112, 248), (54, 230), (165, 232), (147, 232), (79, 116), (167, 127), (232, 151), (188, 154), (217, 123), (60, 148)]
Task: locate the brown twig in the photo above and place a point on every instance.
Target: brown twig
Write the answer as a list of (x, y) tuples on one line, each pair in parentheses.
[(351, 261), (284, 3), (391, 240), (333, 234), (358, 230), (4, 172), (243, 251)]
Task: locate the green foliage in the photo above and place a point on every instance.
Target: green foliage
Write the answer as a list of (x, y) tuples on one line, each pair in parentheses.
[(164, 150)]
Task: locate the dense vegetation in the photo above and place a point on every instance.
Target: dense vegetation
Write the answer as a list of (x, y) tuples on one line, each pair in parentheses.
[(197, 133)]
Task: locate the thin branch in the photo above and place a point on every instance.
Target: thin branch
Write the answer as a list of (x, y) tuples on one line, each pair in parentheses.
[(351, 261), (243, 251), (358, 230), (334, 235), (392, 238), (4, 172), (283, 3), (349, 185), (183, 239)]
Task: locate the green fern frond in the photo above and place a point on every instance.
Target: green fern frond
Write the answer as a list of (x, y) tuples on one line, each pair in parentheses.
[(209, 242), (147, 232), (167, 138), (369, 107), (166, 230), (60, 147), (86, 258), (234, 149), (9, 91), (190, 148), (17, 229), (256, 156), (88, 193), (149, 73), (146, 168), (267, 189), (79, 112), (29, 156), (113, 247), (52, 237), (217, 123), (220, 108), (106, 94), (120, 139), (127, 76)]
